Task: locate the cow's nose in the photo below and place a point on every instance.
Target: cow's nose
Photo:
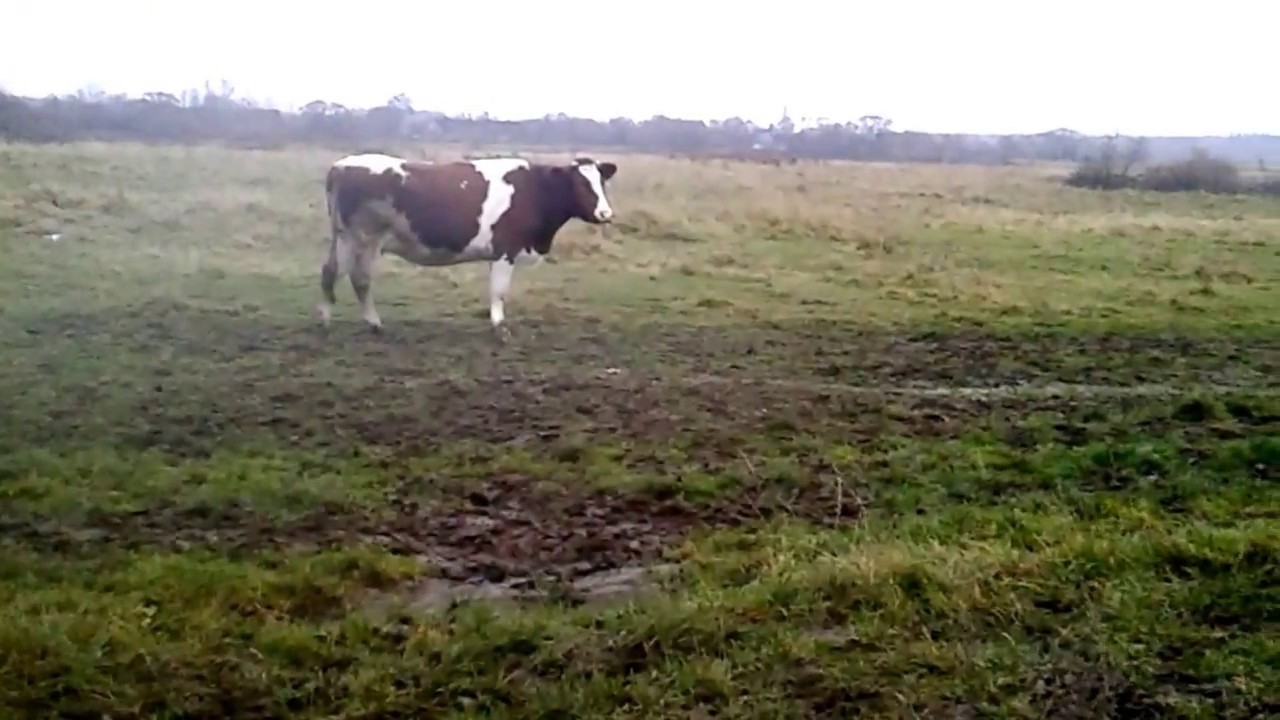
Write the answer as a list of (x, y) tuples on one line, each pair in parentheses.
[(604, 216)]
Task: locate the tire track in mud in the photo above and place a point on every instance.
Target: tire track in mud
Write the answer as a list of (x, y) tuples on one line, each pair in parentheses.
[(1023, 390)]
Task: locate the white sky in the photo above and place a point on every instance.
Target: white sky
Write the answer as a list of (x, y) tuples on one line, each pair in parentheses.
[(974, 66)]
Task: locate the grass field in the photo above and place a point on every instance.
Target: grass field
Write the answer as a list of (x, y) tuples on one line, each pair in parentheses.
[(795, 441)]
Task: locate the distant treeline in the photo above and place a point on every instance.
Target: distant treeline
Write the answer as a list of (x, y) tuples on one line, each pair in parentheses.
[(217, 115)]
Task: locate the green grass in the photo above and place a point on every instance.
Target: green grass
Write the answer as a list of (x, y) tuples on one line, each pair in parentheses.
[(909, 441)]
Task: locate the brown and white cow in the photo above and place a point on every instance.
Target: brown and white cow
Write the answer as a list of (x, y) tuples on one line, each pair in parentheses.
[(505, 211)]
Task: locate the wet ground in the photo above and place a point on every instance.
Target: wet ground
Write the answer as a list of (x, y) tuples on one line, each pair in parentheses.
[(192, 378), (189, 382)]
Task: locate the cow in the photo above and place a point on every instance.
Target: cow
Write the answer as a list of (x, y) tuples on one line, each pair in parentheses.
[(505, 211)]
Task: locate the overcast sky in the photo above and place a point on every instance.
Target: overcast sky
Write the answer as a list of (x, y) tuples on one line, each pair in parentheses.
[(1129, 66)]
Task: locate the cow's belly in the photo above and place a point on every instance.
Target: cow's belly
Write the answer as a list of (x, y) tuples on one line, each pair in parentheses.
[(419, 254)]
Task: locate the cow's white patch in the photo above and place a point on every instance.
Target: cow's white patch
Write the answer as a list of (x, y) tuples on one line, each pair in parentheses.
[(527, 258), (603, 211), (497, 201), (499, 285), (500, 273), (375, 163)]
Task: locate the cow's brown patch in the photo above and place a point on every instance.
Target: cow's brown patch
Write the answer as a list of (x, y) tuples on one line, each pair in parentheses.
[(542, 204), (442, 203), (547, 197)]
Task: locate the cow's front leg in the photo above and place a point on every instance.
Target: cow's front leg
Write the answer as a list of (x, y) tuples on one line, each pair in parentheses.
[(500, 272)]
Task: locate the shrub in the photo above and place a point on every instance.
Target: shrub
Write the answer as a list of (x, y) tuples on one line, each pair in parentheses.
[(1099, 174), (1109, 168), (1268, 186), (1198, 172)]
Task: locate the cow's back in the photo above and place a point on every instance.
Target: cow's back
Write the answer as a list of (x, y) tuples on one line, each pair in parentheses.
[(433, 209)]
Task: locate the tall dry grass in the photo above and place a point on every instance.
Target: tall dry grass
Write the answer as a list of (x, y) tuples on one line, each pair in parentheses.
[(717, 238)]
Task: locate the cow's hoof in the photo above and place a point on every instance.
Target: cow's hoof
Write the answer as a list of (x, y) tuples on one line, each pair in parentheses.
[(502, 334), (375, 329)]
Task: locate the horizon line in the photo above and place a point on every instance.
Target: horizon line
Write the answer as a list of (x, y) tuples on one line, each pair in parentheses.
[(801, 123)]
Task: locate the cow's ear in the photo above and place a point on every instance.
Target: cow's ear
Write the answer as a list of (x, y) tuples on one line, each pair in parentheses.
[(607, 169)]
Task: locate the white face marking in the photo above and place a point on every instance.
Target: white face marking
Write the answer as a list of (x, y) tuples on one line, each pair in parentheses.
[(497, 201), (375, 163), (603, 211)]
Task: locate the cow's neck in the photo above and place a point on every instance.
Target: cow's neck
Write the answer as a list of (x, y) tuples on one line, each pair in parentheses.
[(551, 225), (557, 210)]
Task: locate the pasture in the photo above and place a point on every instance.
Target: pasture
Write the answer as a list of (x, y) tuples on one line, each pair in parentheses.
[(785, 441)]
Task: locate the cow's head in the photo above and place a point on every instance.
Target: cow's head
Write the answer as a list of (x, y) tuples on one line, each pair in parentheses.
[(589, 201)]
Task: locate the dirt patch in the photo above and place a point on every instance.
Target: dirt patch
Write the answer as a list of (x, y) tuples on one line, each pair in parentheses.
[(509, 530), (596, 588), (1070, 689), (190, 379), (426, 414), (258, 346)]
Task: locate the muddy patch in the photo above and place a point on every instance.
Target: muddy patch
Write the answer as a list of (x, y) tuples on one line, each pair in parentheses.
[(508, 534), (254, 345), (595, 589)]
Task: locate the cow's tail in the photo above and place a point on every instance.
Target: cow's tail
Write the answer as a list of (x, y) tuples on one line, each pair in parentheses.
[(331, 204)]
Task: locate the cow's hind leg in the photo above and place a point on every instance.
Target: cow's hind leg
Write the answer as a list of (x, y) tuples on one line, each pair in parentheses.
[(335, 267), (365, 257)]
